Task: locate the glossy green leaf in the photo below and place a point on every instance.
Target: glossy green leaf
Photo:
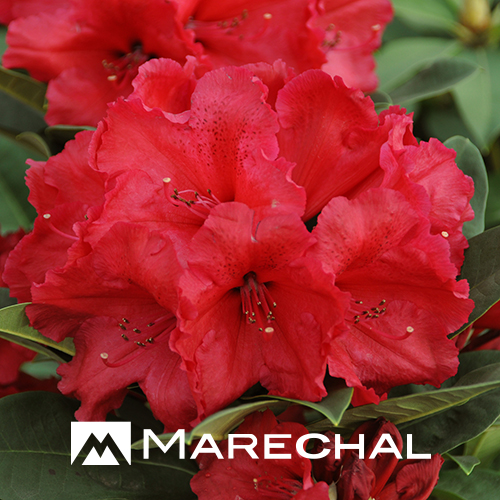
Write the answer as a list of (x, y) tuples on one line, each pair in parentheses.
[(35, 459), (481, 268), (332, 406), (470, 161), (480, 485), (425, 414), (426, 15), (15, 323), (221, 423), (441, 76), (402, 58), (442, 432), (23, 88), (466, 462)]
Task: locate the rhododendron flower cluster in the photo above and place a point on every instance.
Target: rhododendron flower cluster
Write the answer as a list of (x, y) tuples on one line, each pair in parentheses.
[(89, 51), (348, 477), (249, 226)]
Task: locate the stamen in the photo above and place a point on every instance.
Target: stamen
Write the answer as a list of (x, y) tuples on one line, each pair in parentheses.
[(256, 302), (200, 205), (128, 351)]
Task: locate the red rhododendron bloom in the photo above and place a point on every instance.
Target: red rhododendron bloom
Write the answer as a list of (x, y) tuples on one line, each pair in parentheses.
[(89, 52), (259, 478), (12, 9), (398, 276), (7, 244), (63, 190), (263, 189), (258, 298), (119, 303), (382, 477)]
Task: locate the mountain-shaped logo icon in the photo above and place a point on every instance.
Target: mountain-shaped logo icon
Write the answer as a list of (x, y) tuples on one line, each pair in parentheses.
[(102, 442)]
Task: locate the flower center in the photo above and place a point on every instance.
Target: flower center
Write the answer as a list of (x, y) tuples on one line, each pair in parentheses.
[(137, 337), (256, 302), (124, 68), (364, 318), (274, 487)]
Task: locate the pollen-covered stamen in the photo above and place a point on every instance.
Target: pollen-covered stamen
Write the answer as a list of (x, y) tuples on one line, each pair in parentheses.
[(257, 303), (364, 317), (140, 336), (277, 487)]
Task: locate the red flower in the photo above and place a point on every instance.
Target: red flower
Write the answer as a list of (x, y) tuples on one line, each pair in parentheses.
[(206, 178), (380, 478), (94, 48), (184, 164), (346, 478), (119, 302), (12, 9), (257, 298), (404, 297), (7, 244), (91, 50), (259, 478), (63, 190)]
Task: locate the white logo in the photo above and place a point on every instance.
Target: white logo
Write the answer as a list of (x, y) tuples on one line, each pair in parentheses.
[(114, 434)]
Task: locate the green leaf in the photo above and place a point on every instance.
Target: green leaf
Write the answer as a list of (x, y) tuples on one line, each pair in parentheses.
[(15, 210), (480, 485), (429, 414), (23, 88), (474, 97), (425, 15), (441, 76), (36, 142), (486, 446), (35, 459), (401, 59), (332, 406), (442, 120), (481, 268), (466, 462), (221, 423), (14, 324), (441, 432), (470, 161)]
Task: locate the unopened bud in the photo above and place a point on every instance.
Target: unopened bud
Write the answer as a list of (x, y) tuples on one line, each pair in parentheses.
[(476, 15)]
